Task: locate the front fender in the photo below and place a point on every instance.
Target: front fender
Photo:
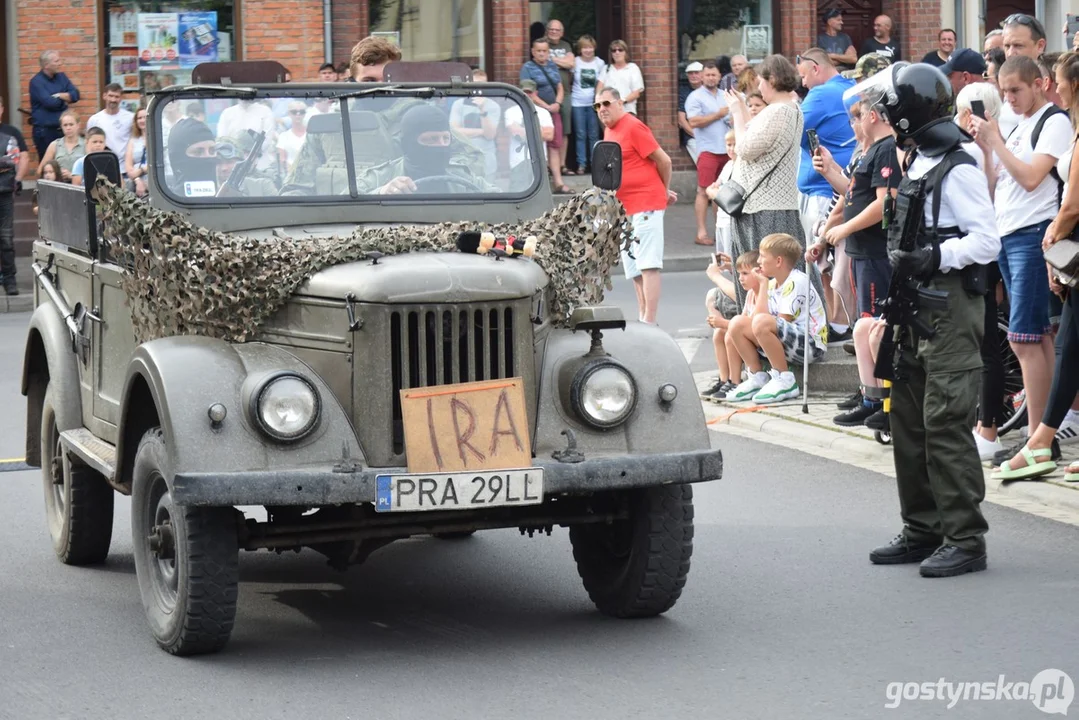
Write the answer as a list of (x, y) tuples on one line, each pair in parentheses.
[(184, 376), (654, 359), (48, 352)]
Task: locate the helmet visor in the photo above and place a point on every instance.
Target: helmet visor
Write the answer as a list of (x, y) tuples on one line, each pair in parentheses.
[(878, 90)]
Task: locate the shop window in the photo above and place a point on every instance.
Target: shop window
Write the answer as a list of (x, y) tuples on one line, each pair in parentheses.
[(152, 44), (450, 30), (708, 28)]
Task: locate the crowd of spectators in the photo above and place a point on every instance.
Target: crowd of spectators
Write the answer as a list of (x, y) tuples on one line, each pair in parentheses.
[(1014, 101)]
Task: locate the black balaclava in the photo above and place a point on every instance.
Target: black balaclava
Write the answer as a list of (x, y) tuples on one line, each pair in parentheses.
[(183, 135), (423, 160)]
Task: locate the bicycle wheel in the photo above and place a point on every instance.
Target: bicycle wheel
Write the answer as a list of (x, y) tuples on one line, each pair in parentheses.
[(1014, 408)]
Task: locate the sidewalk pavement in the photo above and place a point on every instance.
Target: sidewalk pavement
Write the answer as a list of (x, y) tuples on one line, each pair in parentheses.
[(786, 421)]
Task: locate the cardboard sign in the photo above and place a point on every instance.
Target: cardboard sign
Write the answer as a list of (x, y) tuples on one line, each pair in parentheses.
[(468, 426)]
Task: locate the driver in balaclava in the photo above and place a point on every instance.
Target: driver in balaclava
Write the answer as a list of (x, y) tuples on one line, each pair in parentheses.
[(427, 164)]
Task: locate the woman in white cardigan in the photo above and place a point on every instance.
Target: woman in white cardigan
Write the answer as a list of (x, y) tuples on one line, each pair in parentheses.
[(767, 160)]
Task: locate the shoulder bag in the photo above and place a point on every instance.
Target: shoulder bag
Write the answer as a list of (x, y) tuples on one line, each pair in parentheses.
[(732, 197)]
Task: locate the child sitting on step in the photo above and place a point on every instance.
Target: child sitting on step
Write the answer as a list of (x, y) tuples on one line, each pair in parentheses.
[(785, 303)]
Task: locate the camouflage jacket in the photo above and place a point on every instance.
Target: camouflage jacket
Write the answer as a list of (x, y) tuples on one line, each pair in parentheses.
[(371, 179)]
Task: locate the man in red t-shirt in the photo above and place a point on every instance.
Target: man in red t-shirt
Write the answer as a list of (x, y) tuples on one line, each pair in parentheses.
[(645, 193)]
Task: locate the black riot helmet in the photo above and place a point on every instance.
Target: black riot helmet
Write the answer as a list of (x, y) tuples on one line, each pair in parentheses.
[(917, 102)]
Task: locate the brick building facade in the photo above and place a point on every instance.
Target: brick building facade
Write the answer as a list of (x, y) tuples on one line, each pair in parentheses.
[(293, 32)]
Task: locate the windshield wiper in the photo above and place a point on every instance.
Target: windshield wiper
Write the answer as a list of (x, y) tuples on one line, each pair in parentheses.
[(391, 90), (226, 90)]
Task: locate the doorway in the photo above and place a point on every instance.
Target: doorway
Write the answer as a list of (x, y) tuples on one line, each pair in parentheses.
[(997, 10), (857, 18)]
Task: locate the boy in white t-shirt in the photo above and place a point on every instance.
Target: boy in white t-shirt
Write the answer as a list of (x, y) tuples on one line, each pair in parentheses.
[(1026, 198), (785, 302), (722, 308)]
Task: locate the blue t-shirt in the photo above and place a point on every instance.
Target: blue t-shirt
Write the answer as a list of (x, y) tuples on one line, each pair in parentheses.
[(547, 79), (824, 111), (710, 138)]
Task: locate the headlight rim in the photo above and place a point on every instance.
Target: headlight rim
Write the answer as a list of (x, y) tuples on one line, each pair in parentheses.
[(577, 387), (256, 401)]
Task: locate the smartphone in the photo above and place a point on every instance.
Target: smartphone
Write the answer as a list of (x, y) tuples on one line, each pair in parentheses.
[(814, 142), (978, 108)]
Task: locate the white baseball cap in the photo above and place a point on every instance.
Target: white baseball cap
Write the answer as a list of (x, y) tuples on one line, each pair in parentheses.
[(694, 67)]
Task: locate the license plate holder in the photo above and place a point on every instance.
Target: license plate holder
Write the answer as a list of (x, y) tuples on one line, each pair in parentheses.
[(463, 490)]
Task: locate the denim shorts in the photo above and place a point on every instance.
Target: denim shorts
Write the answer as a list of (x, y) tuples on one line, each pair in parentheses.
[(1022, 265), (646, 248)]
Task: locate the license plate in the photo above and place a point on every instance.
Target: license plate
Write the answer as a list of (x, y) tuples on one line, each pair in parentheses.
[(458, 490)]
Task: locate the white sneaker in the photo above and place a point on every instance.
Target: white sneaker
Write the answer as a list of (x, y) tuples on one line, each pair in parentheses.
[(748, 388), (986, 448), (1068, 432), (781, 387)]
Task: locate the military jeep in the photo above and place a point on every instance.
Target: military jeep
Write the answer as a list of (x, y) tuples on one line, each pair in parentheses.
[(292, 395)]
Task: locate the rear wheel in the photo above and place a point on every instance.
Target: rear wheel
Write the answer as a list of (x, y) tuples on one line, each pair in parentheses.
[(185, 559), (78, 500), (637, 567)]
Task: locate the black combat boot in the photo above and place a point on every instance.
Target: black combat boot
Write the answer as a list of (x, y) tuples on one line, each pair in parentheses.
[(901, 550), (949, 561)]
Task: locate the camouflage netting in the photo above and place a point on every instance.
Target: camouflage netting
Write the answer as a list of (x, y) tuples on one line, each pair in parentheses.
[(188, 280)]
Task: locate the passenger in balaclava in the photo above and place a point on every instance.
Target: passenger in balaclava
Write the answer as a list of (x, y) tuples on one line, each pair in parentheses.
[(192, 156)]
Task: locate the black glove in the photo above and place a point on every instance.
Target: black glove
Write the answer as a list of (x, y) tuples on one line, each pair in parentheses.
[(920, 263)]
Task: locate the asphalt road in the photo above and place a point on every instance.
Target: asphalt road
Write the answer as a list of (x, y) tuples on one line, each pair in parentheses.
[(783, 616)]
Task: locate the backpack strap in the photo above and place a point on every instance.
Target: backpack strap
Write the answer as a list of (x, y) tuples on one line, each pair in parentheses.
[(934, 179)]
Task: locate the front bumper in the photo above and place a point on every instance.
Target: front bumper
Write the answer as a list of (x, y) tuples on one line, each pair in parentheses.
[(323, 485)]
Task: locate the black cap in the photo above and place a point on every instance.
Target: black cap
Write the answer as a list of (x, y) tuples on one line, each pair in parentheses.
[(834, 12), (965, 60)]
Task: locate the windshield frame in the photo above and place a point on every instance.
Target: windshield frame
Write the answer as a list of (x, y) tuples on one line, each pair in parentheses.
[(348, 93)]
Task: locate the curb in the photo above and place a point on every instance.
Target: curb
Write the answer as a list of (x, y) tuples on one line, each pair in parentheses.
[(23, 302), (1052, 492)]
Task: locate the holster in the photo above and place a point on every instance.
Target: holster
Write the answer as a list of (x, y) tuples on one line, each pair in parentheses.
[(975, 279)]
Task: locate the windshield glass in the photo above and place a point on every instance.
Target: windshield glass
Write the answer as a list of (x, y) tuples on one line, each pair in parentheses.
[(478, 142)]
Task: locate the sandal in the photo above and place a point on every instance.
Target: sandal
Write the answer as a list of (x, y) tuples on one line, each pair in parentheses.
[(1034, 467), (1071, 473), (563, 190), (567, 171), (704, 241)]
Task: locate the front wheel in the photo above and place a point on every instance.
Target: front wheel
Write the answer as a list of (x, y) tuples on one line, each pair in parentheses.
[(185, 559), (637, 567)]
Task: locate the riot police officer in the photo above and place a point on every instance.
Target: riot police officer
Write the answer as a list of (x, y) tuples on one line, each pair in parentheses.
[(945, 207)]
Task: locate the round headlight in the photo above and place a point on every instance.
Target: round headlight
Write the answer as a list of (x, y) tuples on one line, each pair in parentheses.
[(604, 394), (287, 407)]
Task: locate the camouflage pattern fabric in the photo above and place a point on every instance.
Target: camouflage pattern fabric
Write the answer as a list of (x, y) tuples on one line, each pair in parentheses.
[(186, 280)]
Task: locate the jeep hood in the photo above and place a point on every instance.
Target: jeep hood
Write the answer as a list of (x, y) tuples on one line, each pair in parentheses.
[(428, 277)]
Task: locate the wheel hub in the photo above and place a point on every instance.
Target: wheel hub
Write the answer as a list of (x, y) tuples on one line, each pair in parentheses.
[(162, 541)]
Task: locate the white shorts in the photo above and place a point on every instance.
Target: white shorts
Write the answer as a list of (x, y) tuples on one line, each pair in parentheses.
[(646, 247), (812, 209)]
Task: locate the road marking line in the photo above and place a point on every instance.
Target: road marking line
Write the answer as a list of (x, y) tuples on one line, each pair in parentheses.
[(689, 347)]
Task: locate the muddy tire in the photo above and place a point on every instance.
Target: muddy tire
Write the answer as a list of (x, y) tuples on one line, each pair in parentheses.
[(637, 567), (78, 500), (185, 559)]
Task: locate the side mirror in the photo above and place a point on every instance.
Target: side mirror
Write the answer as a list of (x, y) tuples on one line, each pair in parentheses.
[(607, 165), (100, 164)]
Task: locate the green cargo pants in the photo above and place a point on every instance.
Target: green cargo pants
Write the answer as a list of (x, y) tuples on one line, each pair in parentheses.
[(934, 398)]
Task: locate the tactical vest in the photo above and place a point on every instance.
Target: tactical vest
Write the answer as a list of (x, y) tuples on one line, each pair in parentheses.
[(910, 203)]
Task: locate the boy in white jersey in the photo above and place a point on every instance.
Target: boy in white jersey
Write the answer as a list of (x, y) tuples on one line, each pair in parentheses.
[(776, 329)]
